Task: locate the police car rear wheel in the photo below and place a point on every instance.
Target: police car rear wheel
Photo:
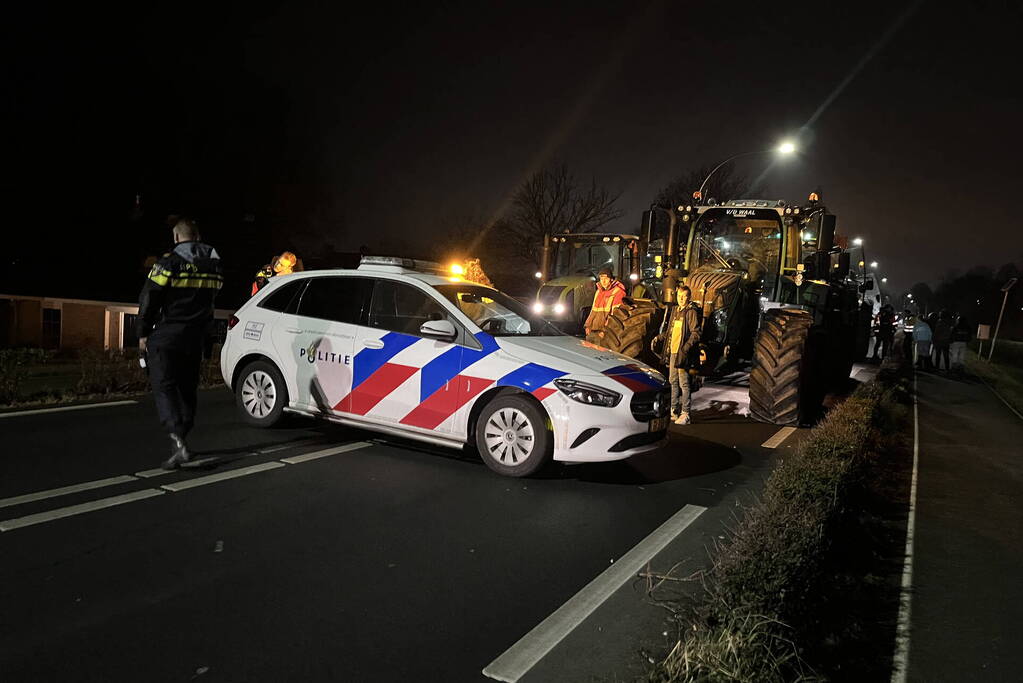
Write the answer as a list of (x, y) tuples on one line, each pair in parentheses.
[(261, 394), (512, 436)]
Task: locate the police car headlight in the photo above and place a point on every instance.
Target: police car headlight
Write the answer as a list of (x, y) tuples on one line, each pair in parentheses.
[(587, 393), (538, 308), (559, 308)]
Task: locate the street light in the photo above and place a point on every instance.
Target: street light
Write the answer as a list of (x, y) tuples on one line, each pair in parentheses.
[(858, 241), (884, 279), (784, 149), (873, 264)]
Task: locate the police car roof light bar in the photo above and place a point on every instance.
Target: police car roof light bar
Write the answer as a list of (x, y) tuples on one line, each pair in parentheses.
[(417, 265)]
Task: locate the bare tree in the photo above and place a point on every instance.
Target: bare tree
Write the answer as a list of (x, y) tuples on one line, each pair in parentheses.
[(722, 186), (552, 201)]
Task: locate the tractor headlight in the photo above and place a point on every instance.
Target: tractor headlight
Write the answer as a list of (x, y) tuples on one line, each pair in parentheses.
[(538, 308), (559, 309), (588, 393)]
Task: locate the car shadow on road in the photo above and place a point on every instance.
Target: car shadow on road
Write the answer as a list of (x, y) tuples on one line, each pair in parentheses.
[(684, 457)]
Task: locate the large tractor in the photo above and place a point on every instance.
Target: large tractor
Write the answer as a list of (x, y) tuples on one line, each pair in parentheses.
[(773, 290), (569, 270)]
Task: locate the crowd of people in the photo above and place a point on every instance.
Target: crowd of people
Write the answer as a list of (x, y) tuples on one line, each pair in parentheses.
[(930, 340)]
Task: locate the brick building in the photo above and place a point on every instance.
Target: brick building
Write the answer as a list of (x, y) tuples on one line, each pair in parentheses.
[(53, 323)]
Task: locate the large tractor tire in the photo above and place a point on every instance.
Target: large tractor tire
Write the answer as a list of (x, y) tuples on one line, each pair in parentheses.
[(631, 326), (783, 386)]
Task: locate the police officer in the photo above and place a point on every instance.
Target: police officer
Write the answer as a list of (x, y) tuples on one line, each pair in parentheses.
[(175, 313)]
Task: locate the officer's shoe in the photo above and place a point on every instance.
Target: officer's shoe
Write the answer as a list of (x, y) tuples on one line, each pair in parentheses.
[(179, 454)]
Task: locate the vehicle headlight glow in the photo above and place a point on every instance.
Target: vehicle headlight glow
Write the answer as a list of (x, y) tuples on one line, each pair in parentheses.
[(538, 307), (559, 308), (588, 393)]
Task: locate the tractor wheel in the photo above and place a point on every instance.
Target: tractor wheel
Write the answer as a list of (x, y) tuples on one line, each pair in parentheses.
[(631, 326), (783, 386)]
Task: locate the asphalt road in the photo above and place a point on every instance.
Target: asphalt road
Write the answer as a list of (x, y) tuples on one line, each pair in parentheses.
[(388, 561), (967, 560)]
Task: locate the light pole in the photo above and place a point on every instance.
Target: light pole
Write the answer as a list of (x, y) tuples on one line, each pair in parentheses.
[(784, 149)]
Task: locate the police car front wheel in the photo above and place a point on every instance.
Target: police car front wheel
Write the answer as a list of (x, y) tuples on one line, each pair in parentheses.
[(513, 437), (261, 394)]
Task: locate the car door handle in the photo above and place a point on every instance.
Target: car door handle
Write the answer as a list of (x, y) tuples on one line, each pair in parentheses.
[(293, 330), (372, 343)]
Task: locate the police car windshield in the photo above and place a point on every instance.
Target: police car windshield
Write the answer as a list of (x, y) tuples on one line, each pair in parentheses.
[(497, 313)]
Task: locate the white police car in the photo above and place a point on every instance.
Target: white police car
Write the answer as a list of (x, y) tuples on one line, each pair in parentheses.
[(398, 346)]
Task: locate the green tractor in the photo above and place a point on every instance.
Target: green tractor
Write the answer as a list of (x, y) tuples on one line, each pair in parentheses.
[(569, 270), (774, 292)]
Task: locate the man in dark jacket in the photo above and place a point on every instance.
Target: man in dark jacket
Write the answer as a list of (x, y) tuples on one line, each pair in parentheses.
[(682, 334), (175, 313)]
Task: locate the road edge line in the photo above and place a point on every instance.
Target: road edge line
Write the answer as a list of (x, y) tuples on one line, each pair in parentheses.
[(517, 660), (327, 452), (900, 661), (60, 409), (66, 490)]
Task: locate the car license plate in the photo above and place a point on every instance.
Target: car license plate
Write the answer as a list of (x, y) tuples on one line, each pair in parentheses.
[(658, 424)]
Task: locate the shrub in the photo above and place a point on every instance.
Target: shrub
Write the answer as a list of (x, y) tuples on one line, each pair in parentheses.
[(771, 580), (14, 366)]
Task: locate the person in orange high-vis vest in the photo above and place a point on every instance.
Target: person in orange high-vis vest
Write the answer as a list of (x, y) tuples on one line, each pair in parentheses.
[(610, 293)]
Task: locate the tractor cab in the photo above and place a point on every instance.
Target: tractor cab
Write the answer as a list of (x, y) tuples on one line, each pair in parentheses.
[(572, 261)]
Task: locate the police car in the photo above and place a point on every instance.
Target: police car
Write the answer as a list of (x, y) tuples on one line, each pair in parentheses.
[(403, 347)]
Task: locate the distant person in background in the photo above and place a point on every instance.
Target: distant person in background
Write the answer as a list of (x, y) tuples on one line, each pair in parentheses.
[(175, 314), (922, 344), (960, 338), (885, 332), (942, 339)]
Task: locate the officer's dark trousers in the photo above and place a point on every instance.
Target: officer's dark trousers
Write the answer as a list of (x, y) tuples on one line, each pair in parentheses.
[(174, 374)]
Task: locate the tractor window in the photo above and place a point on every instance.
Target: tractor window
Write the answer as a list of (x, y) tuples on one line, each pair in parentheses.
[(586, 257), (740, 239)]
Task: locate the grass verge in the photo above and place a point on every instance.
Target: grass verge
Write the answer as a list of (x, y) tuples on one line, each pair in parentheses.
[(1004, 372), (806, 586)]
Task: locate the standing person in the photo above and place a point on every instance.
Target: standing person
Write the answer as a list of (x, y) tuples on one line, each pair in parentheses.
[(885, 332), (922, 344), (609, 295), (175, 312), (942, 339), (683, 330), (960, 337)]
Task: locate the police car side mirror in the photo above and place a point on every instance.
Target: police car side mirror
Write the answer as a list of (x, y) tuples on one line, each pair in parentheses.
[(438, 329)]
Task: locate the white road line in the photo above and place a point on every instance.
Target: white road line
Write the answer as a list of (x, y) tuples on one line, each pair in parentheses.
[(65, 490), (779, 436), (305, 457), (221, 476), (900, 663), (159, 471), (72, 510), (517, 660), (40, 411)]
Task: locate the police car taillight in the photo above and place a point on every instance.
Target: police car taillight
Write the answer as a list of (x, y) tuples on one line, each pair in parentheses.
[(232, 321)]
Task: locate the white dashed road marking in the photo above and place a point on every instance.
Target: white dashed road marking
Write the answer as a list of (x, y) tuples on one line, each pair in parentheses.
[(295, 459), (72, 510), (60, 513), (221, 476), (781, 435), (65, 490), (534, 646)]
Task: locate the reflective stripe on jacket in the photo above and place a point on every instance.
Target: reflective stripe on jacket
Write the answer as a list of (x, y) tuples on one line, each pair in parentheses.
[(181, 289)]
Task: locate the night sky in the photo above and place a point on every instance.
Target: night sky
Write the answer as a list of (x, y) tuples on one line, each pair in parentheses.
[(318, 125)]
